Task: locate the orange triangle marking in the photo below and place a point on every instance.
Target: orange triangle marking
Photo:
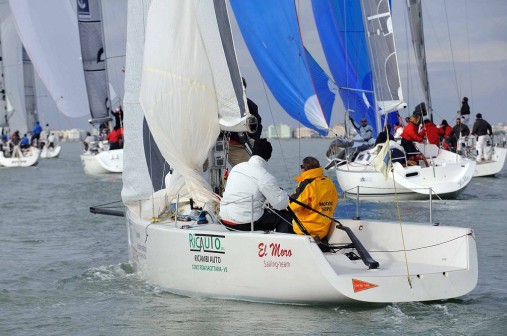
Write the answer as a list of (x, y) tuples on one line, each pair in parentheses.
[(359, 285)]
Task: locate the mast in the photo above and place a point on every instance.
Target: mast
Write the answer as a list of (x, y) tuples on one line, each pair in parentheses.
[(417, 30)]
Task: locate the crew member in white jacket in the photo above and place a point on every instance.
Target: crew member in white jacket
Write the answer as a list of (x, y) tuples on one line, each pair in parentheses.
[(249, 186)]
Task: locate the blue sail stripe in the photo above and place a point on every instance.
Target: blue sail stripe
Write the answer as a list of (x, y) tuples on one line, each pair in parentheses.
[(271, 33)]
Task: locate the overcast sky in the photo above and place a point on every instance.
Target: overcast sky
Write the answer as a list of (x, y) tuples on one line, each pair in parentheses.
[(466, 48)]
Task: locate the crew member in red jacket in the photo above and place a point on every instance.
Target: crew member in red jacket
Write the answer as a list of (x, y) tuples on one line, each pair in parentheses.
[(430, 132), (114, 138), (411, 134), (444, 131)]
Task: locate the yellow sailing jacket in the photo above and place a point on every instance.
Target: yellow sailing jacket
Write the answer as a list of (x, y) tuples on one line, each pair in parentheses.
[(319, 193)]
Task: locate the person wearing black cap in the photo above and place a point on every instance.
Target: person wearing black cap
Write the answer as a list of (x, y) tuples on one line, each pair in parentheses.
[(464, 112), (365, 130), (482, 130), (238, 142), (249, 186)]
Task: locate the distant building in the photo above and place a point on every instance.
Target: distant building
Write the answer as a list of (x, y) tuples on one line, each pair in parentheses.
[(337, 130), (499, 128), (71, 135), (279, 131), (305, 132)]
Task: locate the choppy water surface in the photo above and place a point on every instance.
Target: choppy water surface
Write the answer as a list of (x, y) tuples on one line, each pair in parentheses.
[(66, 272)]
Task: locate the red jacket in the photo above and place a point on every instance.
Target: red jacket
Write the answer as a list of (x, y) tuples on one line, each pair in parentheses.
[(410, 133), (430, 131), (114, 136), (444, 132)]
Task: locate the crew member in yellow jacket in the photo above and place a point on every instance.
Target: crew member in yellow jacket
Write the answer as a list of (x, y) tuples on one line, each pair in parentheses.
[(319, 193)]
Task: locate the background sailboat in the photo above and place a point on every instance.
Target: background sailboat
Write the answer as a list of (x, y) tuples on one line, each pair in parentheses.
[(16, 115), (99, 158), (448, 174), (496, 155)]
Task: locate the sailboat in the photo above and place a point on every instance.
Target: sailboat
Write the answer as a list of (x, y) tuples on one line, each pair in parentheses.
[(440, 172), (15, 114), (183, 86), (101, 158), (495, 156), (466, 145), (50, 147), (31, 105)]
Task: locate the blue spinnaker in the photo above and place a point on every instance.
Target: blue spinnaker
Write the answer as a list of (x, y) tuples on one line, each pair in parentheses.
[(271, 33), (342, 35)]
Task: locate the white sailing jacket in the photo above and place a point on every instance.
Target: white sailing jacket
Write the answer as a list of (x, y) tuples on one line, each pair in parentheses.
[(247, 179)]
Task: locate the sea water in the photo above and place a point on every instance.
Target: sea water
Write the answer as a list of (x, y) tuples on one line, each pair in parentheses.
[(65, 271)]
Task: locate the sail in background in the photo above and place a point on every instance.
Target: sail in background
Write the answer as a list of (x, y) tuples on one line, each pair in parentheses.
[(4, 105), (13, 71), (29, 89), (379, 28), (114, 20), (417, 30), (94, 59), (271, 33), (50, 35), (341, 32)]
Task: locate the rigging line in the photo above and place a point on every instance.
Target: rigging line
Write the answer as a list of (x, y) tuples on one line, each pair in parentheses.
[(452, 51), (110, 203), (299, 81), (347, 72), (399, 219), (423, 247), (469, 59), (430, 21), (274, 123)]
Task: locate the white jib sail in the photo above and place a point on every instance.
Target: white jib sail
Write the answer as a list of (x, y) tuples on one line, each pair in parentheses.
[(181, 92)]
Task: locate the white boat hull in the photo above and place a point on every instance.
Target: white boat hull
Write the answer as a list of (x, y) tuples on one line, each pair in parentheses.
[(495, 156), (50, 153), (493, 165), (409, 183), (446, 176), (210, 261), (104, 162), (20, 159)]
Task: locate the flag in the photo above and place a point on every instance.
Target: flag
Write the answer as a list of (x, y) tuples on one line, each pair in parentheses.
[(382, 163)]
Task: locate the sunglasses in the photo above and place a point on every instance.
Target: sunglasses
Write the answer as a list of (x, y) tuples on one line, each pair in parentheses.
[(301, 166)]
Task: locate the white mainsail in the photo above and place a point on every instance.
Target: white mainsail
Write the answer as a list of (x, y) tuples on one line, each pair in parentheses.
[(50, 35)]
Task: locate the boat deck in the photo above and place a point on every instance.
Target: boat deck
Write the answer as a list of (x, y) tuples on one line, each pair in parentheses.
[(343, 266)]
